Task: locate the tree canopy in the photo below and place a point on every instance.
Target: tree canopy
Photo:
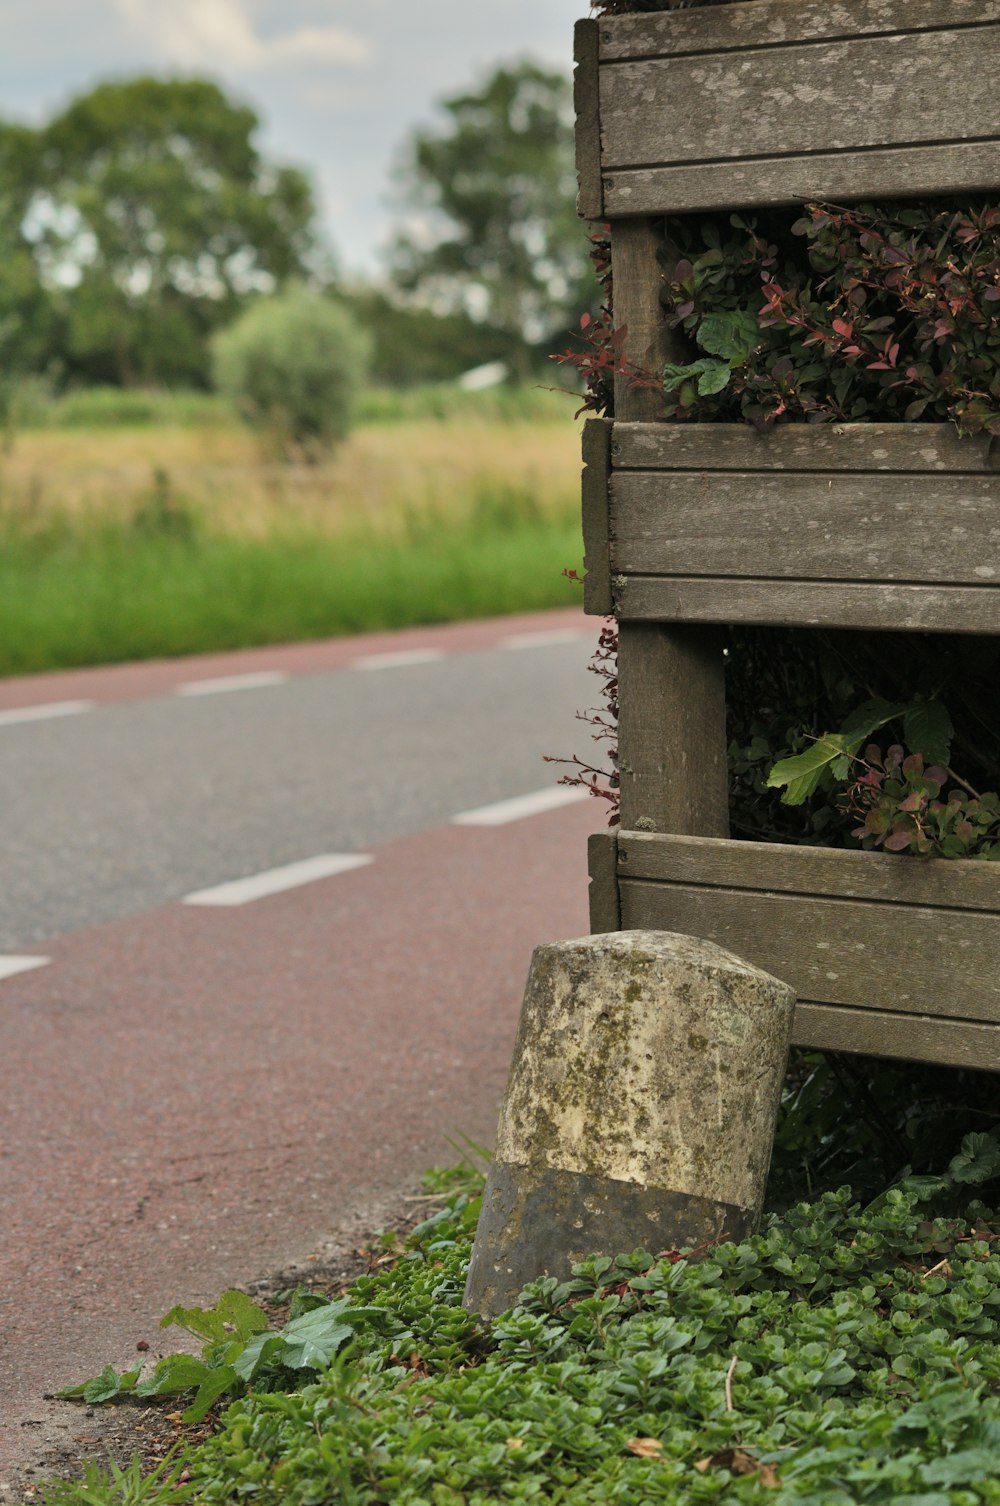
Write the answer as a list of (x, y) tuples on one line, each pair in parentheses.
[(141, 218), (495, 229)]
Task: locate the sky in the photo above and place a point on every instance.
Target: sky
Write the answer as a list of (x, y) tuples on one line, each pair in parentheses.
[(338, 84)]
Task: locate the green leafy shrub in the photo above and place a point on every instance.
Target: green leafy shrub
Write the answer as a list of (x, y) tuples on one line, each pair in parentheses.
[(881, 312), (292, 364)]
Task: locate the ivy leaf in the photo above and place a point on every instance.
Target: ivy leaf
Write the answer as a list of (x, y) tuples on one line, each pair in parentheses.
[(714, 378), (802, 774), (310, 1342), (257, 1354), (104, 1387), (868, 718), (711, 376), (977, 1161), (234, 1316), (176, 1373), (212, 1387), (732, 335), (927, 729)]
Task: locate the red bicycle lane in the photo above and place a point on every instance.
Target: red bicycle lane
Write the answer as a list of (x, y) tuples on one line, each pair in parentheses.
[(197, 1097)]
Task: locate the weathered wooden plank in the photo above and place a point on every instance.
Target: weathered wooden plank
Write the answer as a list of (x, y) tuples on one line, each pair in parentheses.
[(672, 730), (590, 195), (823, 871), (638, 277), (777, 22), (597, 597), (672, 724), (789, 100), (937, 529), (868, 1032), (800, 447), (840, 177), (838, 951), (793, 603), (605, 914)]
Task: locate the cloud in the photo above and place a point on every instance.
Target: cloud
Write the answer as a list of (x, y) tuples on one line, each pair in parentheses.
[(218, 34)]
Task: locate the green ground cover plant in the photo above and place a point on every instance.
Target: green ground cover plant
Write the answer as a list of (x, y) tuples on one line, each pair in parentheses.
[(847, 1354)]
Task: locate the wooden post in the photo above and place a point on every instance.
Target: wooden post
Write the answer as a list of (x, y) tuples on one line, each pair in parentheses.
[(672, 726)]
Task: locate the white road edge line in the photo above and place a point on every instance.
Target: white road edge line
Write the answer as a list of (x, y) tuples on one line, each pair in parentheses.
[(44, 712), (254, 681), (544, 640), (10, 965), (519, 807), (398, 660), (277, 880)]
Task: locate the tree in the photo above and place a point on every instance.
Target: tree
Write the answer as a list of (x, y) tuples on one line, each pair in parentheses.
[(497, 190), (29, 321), (412, 345), (292, 363), (156, 218)]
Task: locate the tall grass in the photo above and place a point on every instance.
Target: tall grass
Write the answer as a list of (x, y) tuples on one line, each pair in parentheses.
[(37, 407), (138, 542)]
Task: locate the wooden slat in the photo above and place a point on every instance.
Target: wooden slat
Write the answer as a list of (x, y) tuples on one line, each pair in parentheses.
[(916, 960), (672, 724), (800, 447), (952, 1043), (649, 343), (672, 730), (824, 871), (935, 529), (797, 603), (602, 850), (925, 87), (597, 597), (777, 22), (837, 177), (590, 197)]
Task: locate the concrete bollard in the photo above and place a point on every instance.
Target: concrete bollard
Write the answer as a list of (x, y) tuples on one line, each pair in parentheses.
[(640, 1108)]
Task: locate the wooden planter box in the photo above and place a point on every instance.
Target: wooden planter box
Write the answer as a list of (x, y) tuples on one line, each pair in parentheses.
[(779, 100), (837, 526), (889, 956), (892, 526)]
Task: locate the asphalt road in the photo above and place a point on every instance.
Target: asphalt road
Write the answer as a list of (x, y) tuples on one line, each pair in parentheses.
[(131, 805)]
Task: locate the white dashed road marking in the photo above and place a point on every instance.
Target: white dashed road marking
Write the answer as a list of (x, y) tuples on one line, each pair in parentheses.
[(44, 712), (219, 686), (10, 966), (543, 640), (277, 880), (520, 806), (398, 660)]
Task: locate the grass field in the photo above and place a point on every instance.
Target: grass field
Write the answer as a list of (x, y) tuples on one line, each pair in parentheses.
[(135, 540)]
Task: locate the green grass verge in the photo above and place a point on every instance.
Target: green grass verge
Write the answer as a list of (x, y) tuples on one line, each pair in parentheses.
[(116, 407), (843, 1356), (115, 594)]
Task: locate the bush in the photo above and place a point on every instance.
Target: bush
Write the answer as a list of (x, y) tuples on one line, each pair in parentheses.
[(292, 364)]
